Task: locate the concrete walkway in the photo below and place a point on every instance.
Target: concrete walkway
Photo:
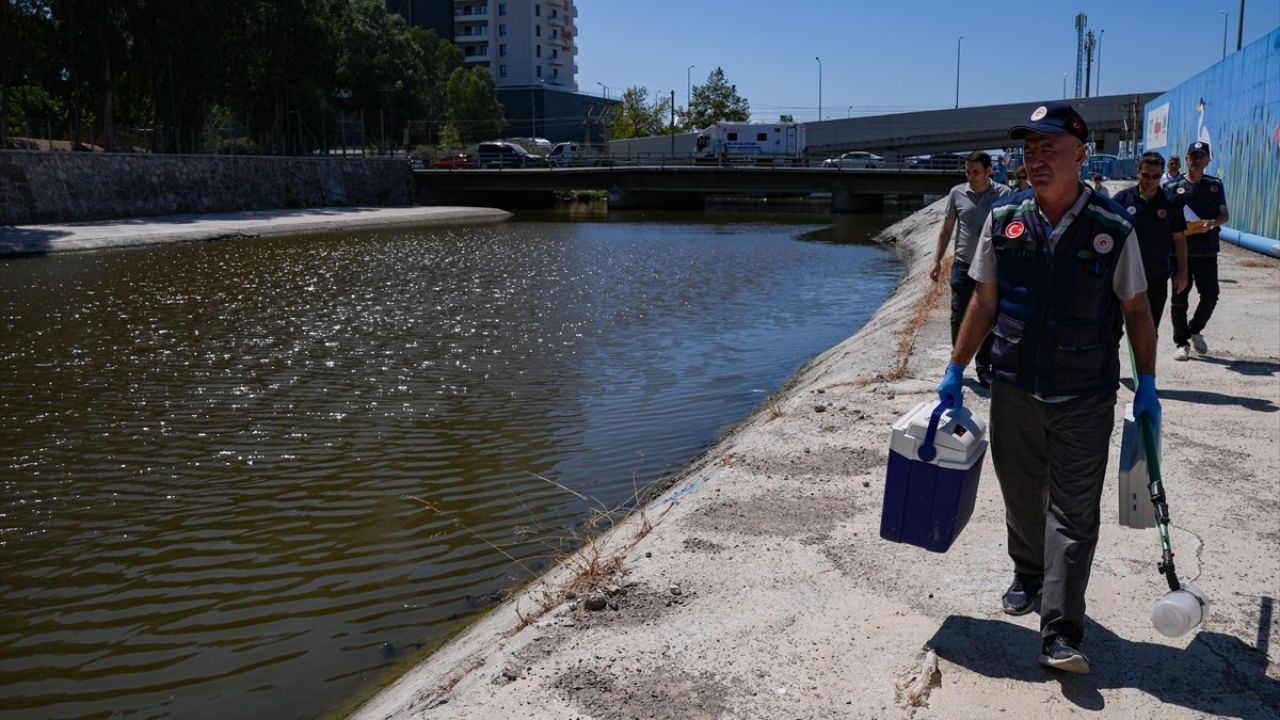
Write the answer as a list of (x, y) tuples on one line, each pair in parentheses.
[(42, 239), (758, 587)]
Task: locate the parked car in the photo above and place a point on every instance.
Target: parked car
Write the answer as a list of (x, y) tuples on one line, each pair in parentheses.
[(855, 159), (506, 154), (454, 162), (417, 163), (944, 161)]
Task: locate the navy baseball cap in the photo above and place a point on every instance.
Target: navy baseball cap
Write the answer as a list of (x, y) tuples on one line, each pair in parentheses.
[(1053, 118), (1199, 147)]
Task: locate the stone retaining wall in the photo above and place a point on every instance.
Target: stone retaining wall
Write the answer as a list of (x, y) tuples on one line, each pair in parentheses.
[(57, 187)]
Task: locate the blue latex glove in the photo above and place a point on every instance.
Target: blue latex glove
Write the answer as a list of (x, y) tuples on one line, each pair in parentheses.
[(952, 386), (1145, 401)]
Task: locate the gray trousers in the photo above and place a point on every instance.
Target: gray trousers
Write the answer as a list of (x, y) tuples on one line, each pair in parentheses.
[(1051, 460)]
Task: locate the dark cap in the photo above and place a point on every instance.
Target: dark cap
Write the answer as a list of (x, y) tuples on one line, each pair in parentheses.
[(1097, 176), (1053, 118), (1198, 147)]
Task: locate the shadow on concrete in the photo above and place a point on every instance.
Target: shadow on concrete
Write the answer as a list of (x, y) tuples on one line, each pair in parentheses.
[(1205, 397), (1253, 368), (1216, 674), (20, 241)]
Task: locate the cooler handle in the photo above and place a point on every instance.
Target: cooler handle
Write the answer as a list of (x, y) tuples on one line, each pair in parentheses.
[(928, 451)]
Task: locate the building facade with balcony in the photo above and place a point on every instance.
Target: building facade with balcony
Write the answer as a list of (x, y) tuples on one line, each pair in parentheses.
[(530, 49), (522, 43)]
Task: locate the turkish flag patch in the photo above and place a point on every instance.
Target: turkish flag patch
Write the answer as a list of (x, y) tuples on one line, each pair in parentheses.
[(1015, 229)]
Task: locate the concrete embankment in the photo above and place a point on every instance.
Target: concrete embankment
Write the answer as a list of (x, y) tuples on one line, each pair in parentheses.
[(41, 239), (758, 586), (62, 187)]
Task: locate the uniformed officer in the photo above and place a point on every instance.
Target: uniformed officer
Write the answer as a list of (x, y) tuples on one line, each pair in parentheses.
[(1058, 269), (1161, 233), (1202, 199)]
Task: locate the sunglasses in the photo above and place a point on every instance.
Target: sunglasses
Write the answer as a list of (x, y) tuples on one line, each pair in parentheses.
[(1150, 176)]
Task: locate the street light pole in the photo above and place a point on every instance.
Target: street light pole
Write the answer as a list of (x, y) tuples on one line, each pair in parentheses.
[(958, 71), (1097, 91), (1225, 16), (1064, 86), (819, 87), (688, 85)]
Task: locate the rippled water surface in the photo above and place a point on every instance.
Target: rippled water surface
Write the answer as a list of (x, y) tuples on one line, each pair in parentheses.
[(210, 452)]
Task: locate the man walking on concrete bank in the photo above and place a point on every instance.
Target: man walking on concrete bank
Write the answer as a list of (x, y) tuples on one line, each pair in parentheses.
[(1202, 200), (1057, 269), (968, 205), (1161, 233)]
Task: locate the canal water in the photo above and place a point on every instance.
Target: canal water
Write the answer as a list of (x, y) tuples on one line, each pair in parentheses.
[(255, 478)]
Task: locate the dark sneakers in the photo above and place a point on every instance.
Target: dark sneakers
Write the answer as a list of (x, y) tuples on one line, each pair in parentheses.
[(1060, 653), (1021, 596)]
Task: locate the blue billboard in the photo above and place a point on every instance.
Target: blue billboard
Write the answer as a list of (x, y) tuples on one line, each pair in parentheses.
[(1235, 107)]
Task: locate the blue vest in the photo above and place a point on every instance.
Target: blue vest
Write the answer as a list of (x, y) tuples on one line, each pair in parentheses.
[(1059, 324)]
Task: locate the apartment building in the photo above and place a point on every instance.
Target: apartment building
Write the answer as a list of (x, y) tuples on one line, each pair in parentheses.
[(529, 47), (521, 43)]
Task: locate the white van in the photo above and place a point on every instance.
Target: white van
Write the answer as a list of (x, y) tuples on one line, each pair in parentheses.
[(572, 154)]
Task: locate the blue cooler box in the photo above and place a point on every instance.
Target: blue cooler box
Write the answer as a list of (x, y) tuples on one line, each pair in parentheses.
[(935, 458)]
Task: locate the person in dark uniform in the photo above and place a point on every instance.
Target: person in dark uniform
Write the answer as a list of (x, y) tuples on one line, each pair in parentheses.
[(1059, 274), (1161, 233), (1202, 200), (968, 205)]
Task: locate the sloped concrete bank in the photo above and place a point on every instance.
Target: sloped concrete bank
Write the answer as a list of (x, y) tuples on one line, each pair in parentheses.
[(758, 587)]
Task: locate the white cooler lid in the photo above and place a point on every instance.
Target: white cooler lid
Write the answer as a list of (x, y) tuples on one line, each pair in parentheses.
[(960, 439)]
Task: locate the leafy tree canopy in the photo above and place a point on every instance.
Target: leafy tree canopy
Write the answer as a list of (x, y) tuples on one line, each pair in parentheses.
[(635, 116), (716, 101)]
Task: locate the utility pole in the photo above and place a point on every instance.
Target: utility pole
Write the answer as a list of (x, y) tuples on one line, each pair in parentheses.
[(1240, 28), (1088, 63), (673, 123)]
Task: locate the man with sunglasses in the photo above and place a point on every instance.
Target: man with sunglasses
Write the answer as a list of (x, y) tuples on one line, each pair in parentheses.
[(1202, 200), (1161, 232)]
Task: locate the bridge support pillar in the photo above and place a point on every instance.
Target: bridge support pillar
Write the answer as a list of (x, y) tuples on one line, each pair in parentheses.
[(624, 199), (843, 201)]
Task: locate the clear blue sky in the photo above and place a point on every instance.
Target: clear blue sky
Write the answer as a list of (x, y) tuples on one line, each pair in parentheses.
[(880, 57)]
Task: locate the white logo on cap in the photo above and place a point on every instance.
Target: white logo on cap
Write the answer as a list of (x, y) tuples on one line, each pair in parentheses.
[(1039, 114), (1103, 243)]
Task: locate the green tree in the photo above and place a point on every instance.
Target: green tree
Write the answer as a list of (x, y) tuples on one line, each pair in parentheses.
[(440, 58), (473, 107), (716, 101), (786, 118), (635, 116)]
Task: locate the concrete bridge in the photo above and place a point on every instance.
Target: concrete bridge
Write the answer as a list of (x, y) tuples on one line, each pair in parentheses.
[(677, 187), (1111, 118)]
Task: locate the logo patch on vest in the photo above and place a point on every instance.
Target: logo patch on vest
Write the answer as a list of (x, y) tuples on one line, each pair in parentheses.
[(1162, 213), (1213, 188), (1181, 190), (1132, 210), (1039, 114), (1015, 229), (1103, 243)]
